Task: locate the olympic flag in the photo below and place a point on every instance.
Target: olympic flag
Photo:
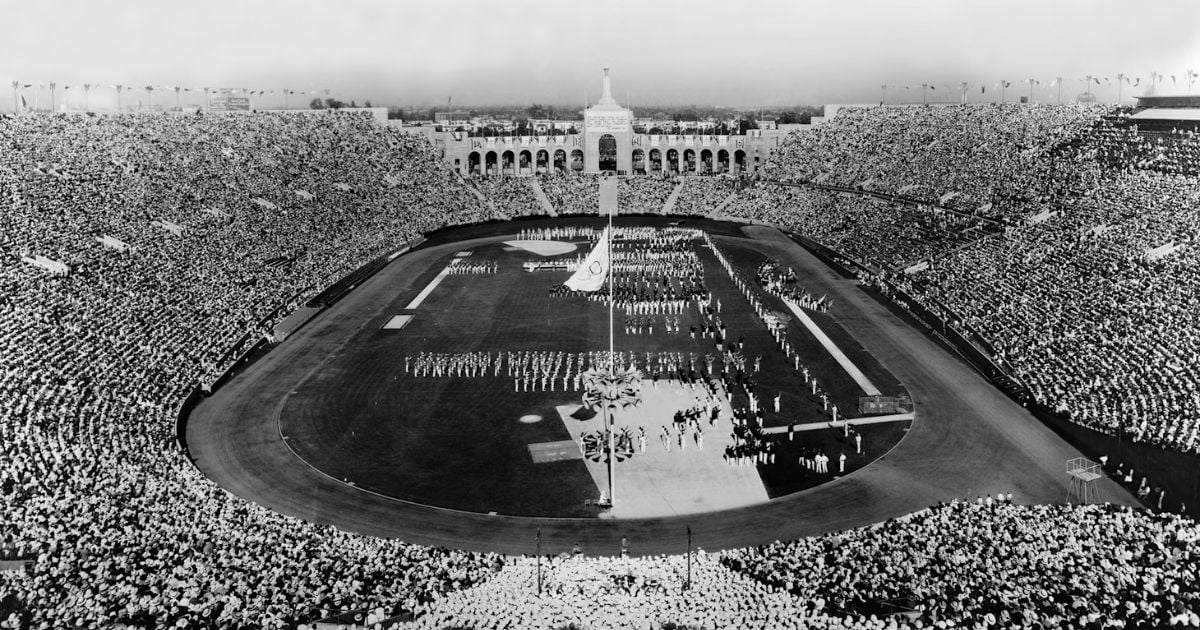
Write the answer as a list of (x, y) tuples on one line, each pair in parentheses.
[(591, 274)]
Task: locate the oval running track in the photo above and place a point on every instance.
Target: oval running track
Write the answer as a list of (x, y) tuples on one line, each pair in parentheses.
[(967, 439)]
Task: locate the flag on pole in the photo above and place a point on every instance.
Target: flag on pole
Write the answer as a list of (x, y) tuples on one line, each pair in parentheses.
[(591, 274)]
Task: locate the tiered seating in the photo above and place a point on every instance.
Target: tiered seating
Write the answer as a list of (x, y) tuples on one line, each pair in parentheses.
[(878, 233), (96, 363), (644, 195), (977, 565), (513, 196), (572, 193), (1098, 333), (700, 196), (988, 154)]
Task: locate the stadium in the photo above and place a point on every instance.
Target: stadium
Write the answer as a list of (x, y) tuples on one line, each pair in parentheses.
[(907, 365)]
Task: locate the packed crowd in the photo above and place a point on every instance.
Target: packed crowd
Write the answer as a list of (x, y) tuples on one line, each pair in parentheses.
[(875, 232), (644, 195), (97, 361), (996, 155), (1085, 294), (1121, 142), (123, 530), (1096, 328), (572, 193), (989, 563), (512, 196), (981, 564), (624, 592), (701, 196)]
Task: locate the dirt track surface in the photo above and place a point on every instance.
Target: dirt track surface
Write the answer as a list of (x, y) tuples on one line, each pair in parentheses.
[(968, 439)]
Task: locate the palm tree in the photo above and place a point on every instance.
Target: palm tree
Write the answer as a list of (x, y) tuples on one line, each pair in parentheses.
[(87, 92), (605, 390), (53, 86), (150, 97), (119, 88), (16, 85)]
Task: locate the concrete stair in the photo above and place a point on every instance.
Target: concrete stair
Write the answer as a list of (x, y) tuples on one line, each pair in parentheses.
[(541, 197), (669, 206)]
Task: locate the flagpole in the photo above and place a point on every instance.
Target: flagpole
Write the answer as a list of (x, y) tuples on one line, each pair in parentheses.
[(612, 360)]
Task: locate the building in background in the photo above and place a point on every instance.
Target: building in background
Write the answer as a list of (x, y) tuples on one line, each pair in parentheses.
[(609, 142)]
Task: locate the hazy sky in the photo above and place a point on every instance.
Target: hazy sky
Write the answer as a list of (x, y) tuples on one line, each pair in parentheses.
[(758, 52)]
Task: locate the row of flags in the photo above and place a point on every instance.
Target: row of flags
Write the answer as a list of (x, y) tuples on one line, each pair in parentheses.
[(17, 85), (1121, 79)]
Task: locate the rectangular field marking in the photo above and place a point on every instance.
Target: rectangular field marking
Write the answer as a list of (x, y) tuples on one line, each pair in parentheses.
[(843, 360), (427, 290), (554, 451), (397, 322)]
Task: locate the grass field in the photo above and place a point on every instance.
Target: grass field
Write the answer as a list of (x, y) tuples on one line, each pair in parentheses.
[(460, 442)]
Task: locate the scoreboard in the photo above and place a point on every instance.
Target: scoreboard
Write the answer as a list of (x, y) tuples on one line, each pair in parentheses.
[(226, 99)]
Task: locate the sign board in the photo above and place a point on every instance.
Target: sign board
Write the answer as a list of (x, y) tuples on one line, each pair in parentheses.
[(230, 100), (608, 122), (875, 405)]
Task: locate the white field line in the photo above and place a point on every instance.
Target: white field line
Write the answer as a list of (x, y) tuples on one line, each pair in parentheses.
[(427, 290), (814, 426), (843, 360)]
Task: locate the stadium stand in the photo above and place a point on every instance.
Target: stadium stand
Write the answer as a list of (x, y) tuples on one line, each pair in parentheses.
[(572, 193), (980, 564), (513, 196), (121, 527), (644, 195), (169, 244), (1085, 295), (992, 156)]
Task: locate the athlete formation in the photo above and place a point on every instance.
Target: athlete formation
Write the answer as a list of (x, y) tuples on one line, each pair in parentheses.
[(658, 286)]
